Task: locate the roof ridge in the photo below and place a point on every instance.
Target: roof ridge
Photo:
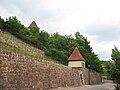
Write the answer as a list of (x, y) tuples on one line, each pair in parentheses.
[(76, 55)]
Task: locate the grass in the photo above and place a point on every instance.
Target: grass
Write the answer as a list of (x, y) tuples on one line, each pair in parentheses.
[(19, 50), (8, 35), (24, 52)]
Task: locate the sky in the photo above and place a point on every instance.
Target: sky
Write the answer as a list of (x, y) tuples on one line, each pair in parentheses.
[(98, 20)]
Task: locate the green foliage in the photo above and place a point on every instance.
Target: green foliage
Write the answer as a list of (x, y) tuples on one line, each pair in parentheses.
[(108, 67), (56, 46), (116, 58), (44, 39), (13, 26), (1, 23), (58, 55)]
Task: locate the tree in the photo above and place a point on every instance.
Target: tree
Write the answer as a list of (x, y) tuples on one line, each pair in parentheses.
[(13, 26), (58, 55), (44, 39), (34, 33), (1, 24), (108, 68), (84, 46), (57, 46), (116, 71)]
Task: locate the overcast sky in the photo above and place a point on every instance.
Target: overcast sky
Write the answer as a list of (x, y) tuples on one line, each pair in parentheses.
[(99, 20)]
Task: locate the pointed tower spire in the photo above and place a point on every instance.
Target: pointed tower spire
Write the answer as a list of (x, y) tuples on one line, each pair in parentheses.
[(33, 24), (76, 55), (76, 60)]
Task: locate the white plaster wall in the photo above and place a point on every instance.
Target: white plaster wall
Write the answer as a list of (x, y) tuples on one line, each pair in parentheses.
[(76, 64)]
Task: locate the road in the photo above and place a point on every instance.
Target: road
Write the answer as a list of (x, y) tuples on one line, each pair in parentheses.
[(105, 86)]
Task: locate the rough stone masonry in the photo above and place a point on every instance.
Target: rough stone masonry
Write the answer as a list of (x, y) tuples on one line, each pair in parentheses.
[(19, 72)]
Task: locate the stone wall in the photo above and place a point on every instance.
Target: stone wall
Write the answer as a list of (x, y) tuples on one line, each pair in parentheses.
[(13, 41), (18, 72), (91, 77)]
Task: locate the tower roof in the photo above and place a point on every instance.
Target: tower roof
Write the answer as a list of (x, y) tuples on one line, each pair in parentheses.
[(33, 24), (76, 55)]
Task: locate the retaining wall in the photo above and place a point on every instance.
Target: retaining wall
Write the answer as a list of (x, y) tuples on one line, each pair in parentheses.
[(18, 72), (13, 41)]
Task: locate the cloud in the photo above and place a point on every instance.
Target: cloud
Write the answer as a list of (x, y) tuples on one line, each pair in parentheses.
[(104, 32), (99, 20), (104, 48)]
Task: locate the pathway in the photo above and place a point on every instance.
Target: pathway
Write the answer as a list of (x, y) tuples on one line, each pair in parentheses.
[(105, 86)]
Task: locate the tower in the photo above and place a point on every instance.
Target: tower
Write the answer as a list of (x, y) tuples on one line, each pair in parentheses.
[(33, 24), (76, 59)]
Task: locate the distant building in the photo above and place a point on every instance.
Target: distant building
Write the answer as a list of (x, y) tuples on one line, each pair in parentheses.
[(33, 24), (76, 59)]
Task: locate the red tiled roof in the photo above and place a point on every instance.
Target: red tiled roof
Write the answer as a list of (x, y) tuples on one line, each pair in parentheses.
[(76, 55), (33, 24)]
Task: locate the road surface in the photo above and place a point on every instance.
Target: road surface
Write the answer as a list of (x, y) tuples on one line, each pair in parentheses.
[(105, 86)]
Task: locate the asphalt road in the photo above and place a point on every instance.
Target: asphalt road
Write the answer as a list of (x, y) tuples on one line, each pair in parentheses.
[(105, 86)]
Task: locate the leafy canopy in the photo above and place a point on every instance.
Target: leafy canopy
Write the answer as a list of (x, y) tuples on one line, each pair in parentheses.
[(56, 46)]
